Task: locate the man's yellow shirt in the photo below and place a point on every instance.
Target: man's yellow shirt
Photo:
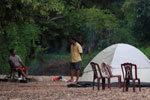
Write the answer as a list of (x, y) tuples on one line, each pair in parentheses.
[(76, 50)]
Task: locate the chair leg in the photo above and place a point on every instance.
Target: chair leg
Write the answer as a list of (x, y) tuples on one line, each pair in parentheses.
[(124, 84), (133, 85), (93, 83), (127, 85), (119, 82), (103, 83), (109, 83), (19, 74), (10, 73), (98, 83), (139, 84), (13, 75)]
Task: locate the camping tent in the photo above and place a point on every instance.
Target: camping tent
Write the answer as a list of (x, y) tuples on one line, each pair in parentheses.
[(117, 54)]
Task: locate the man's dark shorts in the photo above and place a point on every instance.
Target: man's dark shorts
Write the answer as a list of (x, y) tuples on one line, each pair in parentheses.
[(75, 66)]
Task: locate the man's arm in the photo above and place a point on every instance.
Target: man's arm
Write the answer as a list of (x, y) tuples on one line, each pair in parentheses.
[(22, 64), (81, 54), (80, 50), (20, 61)]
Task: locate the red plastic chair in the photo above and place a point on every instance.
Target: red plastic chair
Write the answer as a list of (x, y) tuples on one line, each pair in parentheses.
[(107, 70), (97, 75), (13, 71), (127, 69)]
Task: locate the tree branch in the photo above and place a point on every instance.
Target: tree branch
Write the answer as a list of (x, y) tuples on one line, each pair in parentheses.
[(55, 18)]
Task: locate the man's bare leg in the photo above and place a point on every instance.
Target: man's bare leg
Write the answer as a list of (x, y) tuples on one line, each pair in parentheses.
[(23, 73), (26, 70), (77, 75), (71, 76)]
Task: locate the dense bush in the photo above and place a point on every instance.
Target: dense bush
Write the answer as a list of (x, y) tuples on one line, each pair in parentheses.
[(31, 25), (23, 39)]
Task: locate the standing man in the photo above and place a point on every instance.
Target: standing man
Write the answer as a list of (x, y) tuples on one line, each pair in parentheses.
[(76, 57)]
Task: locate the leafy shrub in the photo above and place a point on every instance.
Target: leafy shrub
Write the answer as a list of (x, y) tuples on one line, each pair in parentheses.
[(54, 64), (146, 51), (23, 39)]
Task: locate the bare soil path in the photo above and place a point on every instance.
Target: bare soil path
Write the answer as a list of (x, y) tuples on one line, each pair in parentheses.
[(58, 90)]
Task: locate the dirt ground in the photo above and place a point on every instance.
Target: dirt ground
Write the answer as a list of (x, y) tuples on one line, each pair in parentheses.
[(46, 89)]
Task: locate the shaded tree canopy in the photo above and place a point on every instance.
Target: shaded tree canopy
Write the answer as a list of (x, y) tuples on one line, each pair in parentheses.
[(34, 26)]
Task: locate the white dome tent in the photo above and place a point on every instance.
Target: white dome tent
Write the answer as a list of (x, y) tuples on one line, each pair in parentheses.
[(116, 55)]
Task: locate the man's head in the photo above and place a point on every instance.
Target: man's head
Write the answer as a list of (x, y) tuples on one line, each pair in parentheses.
[(12, 51), (73, 40)]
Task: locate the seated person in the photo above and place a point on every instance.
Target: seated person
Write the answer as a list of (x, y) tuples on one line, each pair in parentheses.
[(17, 64)]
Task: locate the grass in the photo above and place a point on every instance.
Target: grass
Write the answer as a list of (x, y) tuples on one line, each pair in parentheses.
[(44, 58), (49, 58)]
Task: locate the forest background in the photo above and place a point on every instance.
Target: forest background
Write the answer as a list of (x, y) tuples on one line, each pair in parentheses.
[(39, 30)]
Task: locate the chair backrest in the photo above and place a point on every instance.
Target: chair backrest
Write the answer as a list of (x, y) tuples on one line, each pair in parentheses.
[(12, 66), (96, 69), (127, 70), (106, 69)]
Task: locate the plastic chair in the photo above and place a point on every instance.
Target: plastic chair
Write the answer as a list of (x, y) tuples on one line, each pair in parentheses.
[(97, 75), (13, 71), (107, 70), (128, 74)]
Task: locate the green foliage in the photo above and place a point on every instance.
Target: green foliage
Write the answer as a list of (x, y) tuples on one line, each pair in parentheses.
[(86, 59), (49, 58), (23, 39), (93, 24), (137, 14), (146, 51), (31, 26)]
